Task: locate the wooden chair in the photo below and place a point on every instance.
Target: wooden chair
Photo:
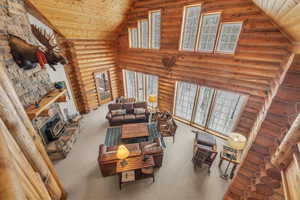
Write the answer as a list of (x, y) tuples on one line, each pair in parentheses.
[(204, 155), (167, 128), (205, 149)]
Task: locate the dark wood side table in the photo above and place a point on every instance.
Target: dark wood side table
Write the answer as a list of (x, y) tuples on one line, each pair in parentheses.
[(232, 157), (142, 169)]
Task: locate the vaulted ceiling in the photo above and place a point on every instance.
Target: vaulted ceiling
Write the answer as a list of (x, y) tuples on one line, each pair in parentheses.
[(285, 13), (98, 19), (83, 19)]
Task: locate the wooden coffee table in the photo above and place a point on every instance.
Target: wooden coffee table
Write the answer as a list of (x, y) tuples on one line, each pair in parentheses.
[(134, 130), (135, 166)]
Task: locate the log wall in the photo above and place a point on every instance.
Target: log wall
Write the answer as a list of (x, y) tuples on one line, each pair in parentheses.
[(258, 173), (254, 69), (87, 57)]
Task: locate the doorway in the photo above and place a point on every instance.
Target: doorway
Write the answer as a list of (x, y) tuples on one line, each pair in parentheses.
[(103, 86)]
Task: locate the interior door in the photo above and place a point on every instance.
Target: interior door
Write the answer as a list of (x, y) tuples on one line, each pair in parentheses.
[(103, 86)]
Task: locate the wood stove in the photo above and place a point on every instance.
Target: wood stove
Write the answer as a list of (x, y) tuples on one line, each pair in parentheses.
[(53, 128)]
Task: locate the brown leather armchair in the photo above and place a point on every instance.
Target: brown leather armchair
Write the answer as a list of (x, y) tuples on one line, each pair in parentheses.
[(107, 158), (167, 128), (155, 150)]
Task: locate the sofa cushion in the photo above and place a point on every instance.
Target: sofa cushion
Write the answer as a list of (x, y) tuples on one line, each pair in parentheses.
[(110, 155), (117, 118), (139, 111), (115, 106), (128, 107), (140, 116), (152, 150), (150, 145), (140, 105), (129, 117), (118, 112)]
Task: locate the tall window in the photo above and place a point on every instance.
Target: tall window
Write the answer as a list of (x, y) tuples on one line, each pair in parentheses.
[(190, 27), (208, 32), (229, 36), (155, 21), (133, 39), (186, 93), (130, 83), (143, 33), (215, 110), (224, 112), (140, 86), (152, 87)]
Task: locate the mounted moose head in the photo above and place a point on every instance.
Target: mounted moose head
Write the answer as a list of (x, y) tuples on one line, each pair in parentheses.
[(169, 62), (27, 56)]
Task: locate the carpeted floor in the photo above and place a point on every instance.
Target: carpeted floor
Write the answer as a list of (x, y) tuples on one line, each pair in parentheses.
[(175, 180)]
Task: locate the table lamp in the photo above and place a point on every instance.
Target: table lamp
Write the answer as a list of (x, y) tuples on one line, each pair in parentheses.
[(152, 99), (122, 154), (235, 141)]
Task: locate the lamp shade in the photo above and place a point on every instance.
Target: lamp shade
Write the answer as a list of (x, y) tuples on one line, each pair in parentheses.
[(122, 152), (152, 98), (237, 141)]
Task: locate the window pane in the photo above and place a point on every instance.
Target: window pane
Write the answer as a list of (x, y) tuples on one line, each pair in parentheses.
[(140, 86), (185, 97), (192, 17), (130, 83), (203, 104), (155, 30), (134, 37), (143, 31), (225, 112), (229, 37), (208, 32), (152, 88)]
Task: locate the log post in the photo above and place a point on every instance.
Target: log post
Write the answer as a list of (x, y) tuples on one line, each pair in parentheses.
[(10, 186), (16, 127), (25, 171), (286, 146), (7, 85)]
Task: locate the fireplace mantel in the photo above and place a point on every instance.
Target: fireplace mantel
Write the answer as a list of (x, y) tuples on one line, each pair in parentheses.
[(52, 97)]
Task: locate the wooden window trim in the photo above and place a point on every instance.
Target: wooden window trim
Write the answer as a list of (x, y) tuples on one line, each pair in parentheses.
[(129, 38), (184, 24), (219, 34), (199, 32), (150, 29)]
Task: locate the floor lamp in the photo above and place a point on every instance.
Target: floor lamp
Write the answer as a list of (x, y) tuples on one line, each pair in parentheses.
[(235, 141), (152, 100)]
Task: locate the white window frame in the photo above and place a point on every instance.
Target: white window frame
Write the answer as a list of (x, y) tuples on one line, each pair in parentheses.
[(130, 37), (220, 34), (198, 42), (150, 29), (184, 24), (140, 34), (211, 106)]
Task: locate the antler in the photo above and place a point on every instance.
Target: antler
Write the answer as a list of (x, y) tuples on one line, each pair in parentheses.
[(43, 37)]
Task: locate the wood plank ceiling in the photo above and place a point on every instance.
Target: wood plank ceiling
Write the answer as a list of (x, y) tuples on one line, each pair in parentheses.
[(285, 13), (83, 19)]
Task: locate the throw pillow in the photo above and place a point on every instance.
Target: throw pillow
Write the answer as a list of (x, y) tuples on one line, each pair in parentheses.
[(138, 111), (148, 146), (118, 112)]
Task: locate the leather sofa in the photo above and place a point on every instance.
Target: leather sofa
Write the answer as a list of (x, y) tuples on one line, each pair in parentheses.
[(107, 159), (129, 115)]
